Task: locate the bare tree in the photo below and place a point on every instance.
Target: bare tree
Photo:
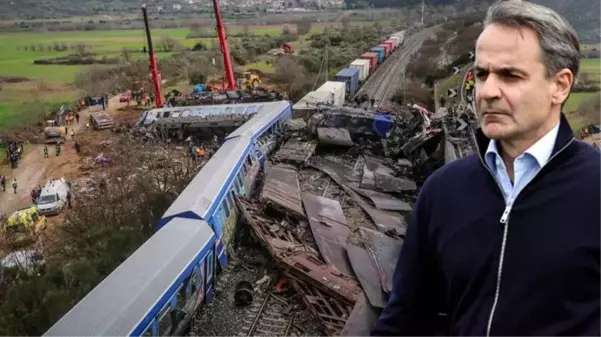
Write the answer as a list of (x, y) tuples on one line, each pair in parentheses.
[(80, 49), (126, 55), (303, 26), (169, 44), (293, 77)]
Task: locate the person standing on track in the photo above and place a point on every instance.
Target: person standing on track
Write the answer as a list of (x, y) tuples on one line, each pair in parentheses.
[(506, 241)]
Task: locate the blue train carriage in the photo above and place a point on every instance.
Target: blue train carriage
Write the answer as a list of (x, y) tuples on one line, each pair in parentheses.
[(155, 292), (232, 170), (271, 120), (350, 76)]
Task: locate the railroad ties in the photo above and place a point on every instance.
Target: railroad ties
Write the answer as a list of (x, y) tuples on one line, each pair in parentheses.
[(272, 315)]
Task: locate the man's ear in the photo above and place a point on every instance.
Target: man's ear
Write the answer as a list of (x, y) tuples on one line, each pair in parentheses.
[(562, 81)]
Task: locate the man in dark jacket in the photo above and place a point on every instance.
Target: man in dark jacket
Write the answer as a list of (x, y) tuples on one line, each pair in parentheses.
[(506, 240)]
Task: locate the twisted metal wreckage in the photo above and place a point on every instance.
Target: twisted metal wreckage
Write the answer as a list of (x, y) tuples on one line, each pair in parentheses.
[(343, 270)]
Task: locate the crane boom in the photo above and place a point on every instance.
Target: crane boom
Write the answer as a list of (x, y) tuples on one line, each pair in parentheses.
[(153, 62), (227, 61)]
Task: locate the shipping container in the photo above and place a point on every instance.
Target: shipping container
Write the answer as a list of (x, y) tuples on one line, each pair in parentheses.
[(373, 60), (381, 53), (307, 106), (387, 48), (392, 42), (363, 66), (397, 41), (336, 90), (350, 76), (401, 36)]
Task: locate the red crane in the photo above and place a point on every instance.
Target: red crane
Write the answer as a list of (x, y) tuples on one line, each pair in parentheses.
[(227, 61), (153, 62)]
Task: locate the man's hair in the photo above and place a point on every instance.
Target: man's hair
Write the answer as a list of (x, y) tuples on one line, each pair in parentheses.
[(558, 40)]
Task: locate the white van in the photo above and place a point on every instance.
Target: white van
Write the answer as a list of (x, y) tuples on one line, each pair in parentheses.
[(53, 197)]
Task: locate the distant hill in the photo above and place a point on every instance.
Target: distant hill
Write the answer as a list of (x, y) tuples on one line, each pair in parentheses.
[(584, 15)]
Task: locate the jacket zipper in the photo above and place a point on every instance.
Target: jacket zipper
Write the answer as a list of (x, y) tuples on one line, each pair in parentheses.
[(505, 221)]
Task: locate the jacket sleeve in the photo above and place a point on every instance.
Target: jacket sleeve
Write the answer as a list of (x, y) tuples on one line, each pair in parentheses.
[(412, 306)]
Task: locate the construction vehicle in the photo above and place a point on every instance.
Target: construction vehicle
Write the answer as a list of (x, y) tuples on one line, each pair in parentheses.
[(225, 50), (248, 80), (155, 75), (22, 225)]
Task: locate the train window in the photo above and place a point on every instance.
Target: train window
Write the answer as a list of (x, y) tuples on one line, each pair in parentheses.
[(230, 199), (226, 207), (210, 265), (222, 214), (192, 284), (181, 294), (165, 322), (201, 276), (238, 183)]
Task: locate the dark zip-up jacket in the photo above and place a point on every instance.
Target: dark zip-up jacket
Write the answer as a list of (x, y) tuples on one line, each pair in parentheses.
[(536, 273)]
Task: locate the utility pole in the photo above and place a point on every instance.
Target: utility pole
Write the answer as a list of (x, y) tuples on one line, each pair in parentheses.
[(423, 6), (326, 52)]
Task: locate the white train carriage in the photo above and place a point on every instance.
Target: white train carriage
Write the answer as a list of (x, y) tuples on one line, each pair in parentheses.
[(155, 292)]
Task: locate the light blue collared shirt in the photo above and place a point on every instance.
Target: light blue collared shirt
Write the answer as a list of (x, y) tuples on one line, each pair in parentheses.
[(525, 166)]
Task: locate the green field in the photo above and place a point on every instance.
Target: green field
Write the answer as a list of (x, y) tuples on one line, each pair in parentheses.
[(49, 85), (16, 61)]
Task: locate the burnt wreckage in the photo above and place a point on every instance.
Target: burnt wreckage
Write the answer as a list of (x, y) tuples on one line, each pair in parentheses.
[(334, 200)]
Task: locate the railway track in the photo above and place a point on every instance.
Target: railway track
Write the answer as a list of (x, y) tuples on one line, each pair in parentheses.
[(270, 316), (390, 74)]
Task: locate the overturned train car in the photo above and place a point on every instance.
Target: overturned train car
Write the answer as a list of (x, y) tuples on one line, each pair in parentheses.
[(156, 291)]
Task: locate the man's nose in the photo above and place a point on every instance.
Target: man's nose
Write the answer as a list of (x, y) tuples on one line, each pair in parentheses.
[(488, 89)]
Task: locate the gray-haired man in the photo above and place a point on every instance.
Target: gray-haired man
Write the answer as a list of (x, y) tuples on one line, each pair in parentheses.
[(506, 241)]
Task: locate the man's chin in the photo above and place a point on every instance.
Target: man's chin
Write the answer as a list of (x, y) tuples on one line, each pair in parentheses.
[(495, 131)]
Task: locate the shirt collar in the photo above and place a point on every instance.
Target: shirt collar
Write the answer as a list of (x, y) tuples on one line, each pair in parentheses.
[(541, 150)]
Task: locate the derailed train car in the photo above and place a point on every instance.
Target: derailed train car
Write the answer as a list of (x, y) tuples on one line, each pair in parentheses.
[(157, 290)]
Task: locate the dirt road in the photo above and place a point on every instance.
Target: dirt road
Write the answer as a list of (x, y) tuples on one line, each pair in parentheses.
[(34, 169)]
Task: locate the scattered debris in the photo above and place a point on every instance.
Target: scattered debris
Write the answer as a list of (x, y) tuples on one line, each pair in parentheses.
[(331, 214), (296, 150), (281, 188)]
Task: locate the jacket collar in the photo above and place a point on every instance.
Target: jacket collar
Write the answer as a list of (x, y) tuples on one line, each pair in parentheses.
[(564, 135)]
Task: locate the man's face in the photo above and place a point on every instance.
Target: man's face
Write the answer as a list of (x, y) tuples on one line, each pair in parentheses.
[(513, 96)]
